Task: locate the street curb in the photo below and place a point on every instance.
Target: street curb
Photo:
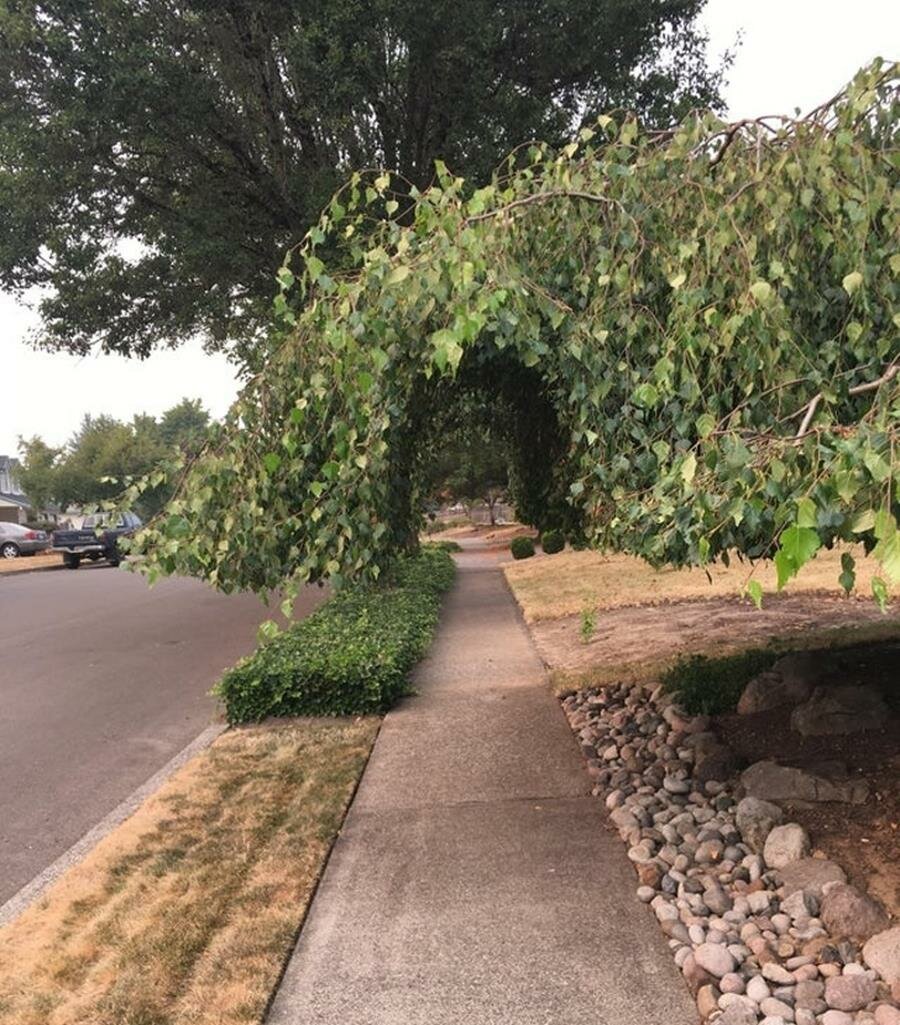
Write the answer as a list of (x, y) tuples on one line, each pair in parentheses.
[(32, 891), (25, 572)]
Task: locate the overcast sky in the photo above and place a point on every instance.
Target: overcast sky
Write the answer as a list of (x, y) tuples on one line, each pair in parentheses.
[(795, 53)]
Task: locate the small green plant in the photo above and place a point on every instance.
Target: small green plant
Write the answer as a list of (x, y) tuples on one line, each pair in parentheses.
[(588, 623), (709, 686), (352, 656), (444, 546), (553, 541), (522, 547)]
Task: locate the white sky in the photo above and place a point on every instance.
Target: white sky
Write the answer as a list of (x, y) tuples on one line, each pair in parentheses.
[(795, 53)]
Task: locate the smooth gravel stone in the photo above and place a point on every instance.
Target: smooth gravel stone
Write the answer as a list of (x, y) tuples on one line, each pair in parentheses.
[(759, 901), (715, 959), (676, 786), (758, 989), (772, 1006), (773, 1019), (804, 1017), (646, 894), (731, 983), (775, 973), (697, 935), (738, 1014), (836, 1018), (782, 923)]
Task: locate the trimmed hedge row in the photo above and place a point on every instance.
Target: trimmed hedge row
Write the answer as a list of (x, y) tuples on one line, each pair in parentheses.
[(522, 547), (352, 655)]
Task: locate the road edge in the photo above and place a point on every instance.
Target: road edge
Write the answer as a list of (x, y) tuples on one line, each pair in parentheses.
[(42, 882)]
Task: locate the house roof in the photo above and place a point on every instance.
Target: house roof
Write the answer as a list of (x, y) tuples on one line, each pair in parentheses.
[(19, 500)]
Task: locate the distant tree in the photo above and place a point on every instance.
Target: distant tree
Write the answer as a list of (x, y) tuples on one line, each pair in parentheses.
[(211, 134), (470, 467), (37, 471), (104, 452)]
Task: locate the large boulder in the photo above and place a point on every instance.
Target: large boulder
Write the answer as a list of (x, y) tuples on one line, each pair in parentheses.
[(774, 782), (810, 875), (790, 681), (833, 710), (755, 819), (785, 844), (882, 952), (849, 914)]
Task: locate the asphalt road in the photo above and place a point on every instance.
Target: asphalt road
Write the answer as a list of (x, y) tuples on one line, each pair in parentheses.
[(102, 681)]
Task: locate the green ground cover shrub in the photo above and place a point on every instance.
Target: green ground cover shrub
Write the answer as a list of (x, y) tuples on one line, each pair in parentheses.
[(553, 541), (352, 656), (522, 547), (710, 686), (444, 546)]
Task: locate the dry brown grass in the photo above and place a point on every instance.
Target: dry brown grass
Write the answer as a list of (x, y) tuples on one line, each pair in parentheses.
[(26, 563), (185, 914), (549, 587)]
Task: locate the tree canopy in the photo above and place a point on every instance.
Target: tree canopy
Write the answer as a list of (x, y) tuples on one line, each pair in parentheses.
[(105, 453), (695, 333), (157, 159)]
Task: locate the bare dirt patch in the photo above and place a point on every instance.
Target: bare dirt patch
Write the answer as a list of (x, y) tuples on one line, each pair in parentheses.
[(186, 912), (637, 642), (863, 838)]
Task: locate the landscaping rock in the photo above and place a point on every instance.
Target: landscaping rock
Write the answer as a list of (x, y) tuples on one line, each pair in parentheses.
[(835, 710), (788, 682), (785, 844), (755, 819), (731, 885), (847, 913), (715, 763), (882, 952), (849, 992), (715, 959), (887, 1015), (776, 782), (810, 874)]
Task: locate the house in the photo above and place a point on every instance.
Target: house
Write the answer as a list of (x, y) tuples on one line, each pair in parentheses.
[(14, 506)]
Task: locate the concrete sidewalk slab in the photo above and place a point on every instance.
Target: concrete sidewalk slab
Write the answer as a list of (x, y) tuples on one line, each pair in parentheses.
[(474, 881)]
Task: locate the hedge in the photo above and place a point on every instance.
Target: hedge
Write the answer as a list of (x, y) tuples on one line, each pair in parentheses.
[(553, 541), (352, 655), (522, 547)]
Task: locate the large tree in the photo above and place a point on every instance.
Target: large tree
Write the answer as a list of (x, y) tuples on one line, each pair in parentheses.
[(157, 159), (700, 327)]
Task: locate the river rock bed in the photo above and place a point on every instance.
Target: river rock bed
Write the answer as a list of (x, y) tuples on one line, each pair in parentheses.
[(762, 931)]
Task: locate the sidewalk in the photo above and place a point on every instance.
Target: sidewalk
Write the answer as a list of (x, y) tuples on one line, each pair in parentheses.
[(475, 881)]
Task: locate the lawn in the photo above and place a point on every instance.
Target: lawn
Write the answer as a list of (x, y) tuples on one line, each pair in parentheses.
[(187, 912), (551, 587)]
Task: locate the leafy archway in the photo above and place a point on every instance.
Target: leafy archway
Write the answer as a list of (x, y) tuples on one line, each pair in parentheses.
[(694, 334)]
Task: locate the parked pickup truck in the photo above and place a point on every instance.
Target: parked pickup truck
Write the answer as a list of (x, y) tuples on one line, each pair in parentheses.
[(97, 539)]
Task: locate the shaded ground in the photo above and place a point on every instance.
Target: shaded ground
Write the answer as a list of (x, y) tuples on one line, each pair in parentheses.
[(865, 838), (637, 641), (187, 911)]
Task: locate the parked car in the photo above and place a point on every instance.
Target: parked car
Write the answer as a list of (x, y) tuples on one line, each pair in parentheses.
[(97, 539), (16, 540)]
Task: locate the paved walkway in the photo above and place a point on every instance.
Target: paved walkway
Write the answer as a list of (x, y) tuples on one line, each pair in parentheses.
[(475, 881)]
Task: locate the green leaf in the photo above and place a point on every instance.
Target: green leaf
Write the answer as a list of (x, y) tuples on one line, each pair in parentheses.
[(755, 592), (314, 266), (852, 281), (271, 461), (762, 292), (880, 593), (645, 395), (847, 578), (864, 522), (798, 546), (398, 274), (806, 513), (688, 467), (705, 424), (678, 279), (887, 552)]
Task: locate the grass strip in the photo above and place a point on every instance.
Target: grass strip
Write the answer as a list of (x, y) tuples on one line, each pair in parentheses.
[(186, 913)]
